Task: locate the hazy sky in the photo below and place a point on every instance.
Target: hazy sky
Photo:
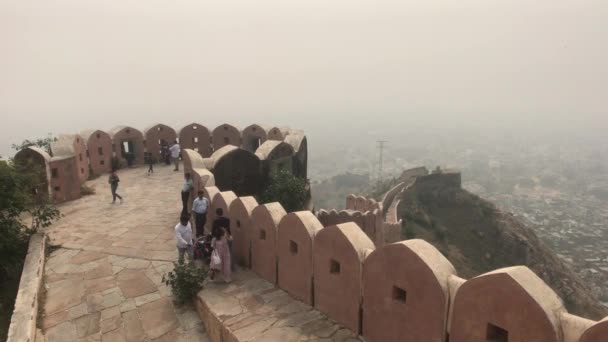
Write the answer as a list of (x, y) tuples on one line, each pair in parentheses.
[(70, 65)]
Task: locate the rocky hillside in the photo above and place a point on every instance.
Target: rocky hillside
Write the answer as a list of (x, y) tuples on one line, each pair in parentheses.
[(477, 238)]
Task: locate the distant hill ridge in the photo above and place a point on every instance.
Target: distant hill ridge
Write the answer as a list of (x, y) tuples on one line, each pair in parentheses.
[(477, 237)]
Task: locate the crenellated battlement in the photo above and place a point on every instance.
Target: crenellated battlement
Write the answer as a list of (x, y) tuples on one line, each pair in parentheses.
[(238, 160), (349, 264), (401, 291)]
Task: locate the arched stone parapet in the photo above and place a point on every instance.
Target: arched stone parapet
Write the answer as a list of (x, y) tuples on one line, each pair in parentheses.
[(237, 170), (278, 133), (275, 156), (295, 251), (339, 252), (254, 136), (37, 159), (241, 210), (351, 202), (507, 304), (210, 192), (99, 151), (226, 135), (405, 293), (157, 135), (192, 160), (128, 141), (361, 203), (201, 178), (221, 200), (265, 221), (73, 145), (597, 333), (196, 137)]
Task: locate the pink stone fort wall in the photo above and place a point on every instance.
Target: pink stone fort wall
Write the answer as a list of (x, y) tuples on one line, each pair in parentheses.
[(230, 153), (351, 264)]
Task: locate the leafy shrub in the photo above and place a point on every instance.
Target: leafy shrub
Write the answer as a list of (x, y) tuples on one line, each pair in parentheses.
[(19, 185), (286, 189), (185, 281)]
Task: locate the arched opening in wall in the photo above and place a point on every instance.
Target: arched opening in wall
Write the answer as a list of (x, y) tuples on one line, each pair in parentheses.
[(128, 151)]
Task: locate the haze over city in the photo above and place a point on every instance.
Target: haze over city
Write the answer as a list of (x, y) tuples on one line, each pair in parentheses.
[(325, 67)]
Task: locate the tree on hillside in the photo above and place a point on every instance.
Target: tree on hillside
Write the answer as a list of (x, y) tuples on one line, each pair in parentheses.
[(287, 189), (44, 143), (19, 199)]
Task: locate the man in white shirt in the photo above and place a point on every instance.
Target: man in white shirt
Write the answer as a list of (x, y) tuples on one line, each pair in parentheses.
[(199, 208), (183, 237), (175, 150)]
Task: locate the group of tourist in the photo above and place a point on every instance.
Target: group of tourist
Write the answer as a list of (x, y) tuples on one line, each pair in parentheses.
[(221, 236)]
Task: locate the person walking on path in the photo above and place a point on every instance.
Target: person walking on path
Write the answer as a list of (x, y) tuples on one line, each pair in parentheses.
[(114, 180), (220, 258), (150, 162), (183, 238), (186, 189), (199, 208), (175, 150), (222, 223)]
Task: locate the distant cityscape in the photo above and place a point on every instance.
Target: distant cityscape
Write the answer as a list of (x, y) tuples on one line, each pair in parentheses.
[(560, 190)]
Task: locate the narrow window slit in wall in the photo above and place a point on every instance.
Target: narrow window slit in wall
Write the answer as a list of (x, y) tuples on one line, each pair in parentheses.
[(496, 334), (262, 234), (293, 247), (334, 267), (399, 294)]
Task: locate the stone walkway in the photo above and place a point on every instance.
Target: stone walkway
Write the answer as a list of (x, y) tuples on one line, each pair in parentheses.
[(251, 309), (104, 282)]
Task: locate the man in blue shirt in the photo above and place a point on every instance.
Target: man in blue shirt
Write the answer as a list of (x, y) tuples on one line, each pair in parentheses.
[(199, 208), (186, 189)]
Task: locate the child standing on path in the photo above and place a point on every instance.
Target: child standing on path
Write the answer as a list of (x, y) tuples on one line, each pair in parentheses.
[(113, 180)]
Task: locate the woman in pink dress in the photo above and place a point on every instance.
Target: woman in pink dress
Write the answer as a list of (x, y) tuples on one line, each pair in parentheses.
[(220, 245)]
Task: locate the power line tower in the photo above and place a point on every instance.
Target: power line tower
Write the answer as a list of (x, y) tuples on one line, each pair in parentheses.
[(381, 156)]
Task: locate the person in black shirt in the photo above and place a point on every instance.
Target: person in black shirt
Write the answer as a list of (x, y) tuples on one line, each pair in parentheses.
[(219, 223)]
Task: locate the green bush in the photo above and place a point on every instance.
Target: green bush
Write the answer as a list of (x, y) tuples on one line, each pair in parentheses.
[(185, 281), (286, 189), (19, 197)]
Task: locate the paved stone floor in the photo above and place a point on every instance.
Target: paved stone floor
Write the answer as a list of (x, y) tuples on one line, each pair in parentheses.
[(104, 282), (254, 310)]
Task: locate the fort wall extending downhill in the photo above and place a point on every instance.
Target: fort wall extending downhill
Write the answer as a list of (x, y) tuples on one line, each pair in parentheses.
[(400, 291), (237, 160), (350, 264)]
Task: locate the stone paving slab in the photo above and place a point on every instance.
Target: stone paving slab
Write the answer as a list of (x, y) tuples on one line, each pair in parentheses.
[(104, 282), (252, 309)]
